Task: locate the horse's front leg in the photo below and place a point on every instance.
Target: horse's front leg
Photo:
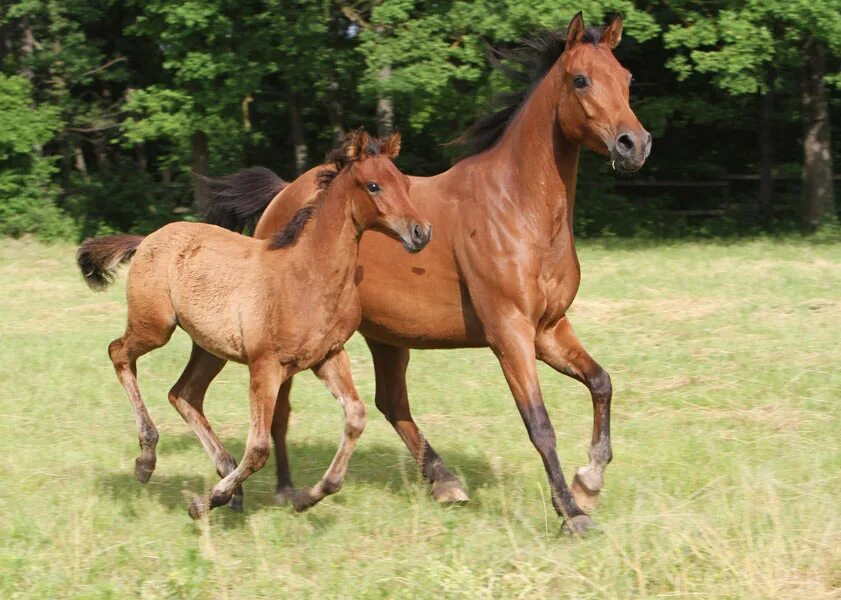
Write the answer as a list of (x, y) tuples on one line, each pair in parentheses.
[(560, 349), (514, 345)]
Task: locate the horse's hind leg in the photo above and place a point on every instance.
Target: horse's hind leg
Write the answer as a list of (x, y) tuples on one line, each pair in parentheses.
[(335, 373), (187, 396), (124, 353), (559, 348), (392, 399)]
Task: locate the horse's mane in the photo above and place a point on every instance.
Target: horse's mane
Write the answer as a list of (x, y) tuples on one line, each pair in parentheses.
[(339, 160), (526, 66)]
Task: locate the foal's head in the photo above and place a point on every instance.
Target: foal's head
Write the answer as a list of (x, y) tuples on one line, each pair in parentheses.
[(378, 191), (593, 109)]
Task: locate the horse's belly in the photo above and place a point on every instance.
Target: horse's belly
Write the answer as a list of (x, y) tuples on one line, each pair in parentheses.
[(413, 300)]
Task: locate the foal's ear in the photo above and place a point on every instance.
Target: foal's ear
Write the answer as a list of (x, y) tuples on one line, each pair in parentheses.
[(612, 34), (357, 147), (391, 147), (575, 31)]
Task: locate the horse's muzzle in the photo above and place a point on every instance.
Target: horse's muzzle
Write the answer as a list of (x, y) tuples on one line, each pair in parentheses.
[(418, 238)]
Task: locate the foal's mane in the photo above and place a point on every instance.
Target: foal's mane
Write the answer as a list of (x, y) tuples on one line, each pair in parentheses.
[(525, 66), (339, 159)]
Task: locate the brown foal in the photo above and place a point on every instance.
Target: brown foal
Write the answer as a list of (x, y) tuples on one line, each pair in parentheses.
[(502, 270), (279, 305)]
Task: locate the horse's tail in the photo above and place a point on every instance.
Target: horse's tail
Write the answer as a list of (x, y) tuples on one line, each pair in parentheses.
[(239, 199), (98, 258)]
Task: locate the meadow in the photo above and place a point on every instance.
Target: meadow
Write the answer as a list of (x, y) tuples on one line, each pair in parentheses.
[(725, 483)]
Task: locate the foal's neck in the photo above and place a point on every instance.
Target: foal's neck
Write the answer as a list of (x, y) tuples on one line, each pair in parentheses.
[(332, 239)]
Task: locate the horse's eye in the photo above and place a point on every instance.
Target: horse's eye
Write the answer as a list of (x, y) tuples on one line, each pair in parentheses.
[(372, 187), (580, 81)]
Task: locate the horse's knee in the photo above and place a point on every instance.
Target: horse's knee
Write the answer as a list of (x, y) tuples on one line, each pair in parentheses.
[(117, 354), (600, 385)]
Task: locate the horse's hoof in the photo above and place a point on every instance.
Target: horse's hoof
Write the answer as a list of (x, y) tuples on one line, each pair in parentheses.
[(198, 508), (449, 492), (143, 470), (586, 497), (578, 525), (283, 496), (236, 503)]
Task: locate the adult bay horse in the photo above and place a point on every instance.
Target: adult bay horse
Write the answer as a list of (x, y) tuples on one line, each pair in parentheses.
[(502, 269), (279, 305)]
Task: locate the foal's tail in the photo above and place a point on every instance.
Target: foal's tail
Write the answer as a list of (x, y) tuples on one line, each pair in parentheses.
[(240, 198), (98, 258)]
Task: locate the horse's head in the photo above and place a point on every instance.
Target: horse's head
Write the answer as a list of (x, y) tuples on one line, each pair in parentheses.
[(593, 108), (379, 191)]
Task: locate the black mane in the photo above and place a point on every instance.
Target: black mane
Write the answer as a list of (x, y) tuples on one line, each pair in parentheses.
[(526, 66), (324, 179)]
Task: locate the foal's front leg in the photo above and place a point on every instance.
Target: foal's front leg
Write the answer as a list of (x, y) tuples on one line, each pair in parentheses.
[(266, 377), (335, 373)]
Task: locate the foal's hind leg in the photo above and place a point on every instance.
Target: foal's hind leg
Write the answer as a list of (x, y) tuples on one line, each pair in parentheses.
[(187, 396), (335, 373), (559, 348), (266, 377), (124, 353)]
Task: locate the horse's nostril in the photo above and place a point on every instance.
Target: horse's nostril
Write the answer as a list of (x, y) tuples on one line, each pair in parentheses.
[(417, 233), (624, 144)]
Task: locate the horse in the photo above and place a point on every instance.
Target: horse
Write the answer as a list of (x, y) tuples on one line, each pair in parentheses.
[(279, 305), (502, 271)]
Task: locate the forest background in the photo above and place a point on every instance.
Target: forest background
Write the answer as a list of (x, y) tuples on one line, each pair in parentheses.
[(110, 108)]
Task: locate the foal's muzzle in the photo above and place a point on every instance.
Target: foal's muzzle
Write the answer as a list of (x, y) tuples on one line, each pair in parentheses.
[(418, 237)]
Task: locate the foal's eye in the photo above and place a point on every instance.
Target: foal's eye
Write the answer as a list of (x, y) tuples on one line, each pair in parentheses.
[(580, 81), (372, 187)]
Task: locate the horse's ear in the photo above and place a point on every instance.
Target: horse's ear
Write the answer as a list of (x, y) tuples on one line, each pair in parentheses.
[(612, 34), (391, 147), (575, 31), (357, 147)]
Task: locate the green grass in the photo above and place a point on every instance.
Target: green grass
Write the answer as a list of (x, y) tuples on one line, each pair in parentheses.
[(726, 481)]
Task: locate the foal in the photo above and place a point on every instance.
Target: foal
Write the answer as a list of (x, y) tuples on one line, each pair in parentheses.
[(280, 306)]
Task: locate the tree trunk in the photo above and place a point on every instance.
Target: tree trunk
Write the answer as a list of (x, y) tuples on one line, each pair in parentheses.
[(334, 110), (201, 189), (818, 192), (27, 48), (766, 152), (385, 106), (299, 141)]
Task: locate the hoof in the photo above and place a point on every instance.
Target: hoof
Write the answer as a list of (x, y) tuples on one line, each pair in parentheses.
[(578, 525), (143, 470), (283, 496), (236, 503), (303, 499), (585, 489), (198, 508), (449, 492)]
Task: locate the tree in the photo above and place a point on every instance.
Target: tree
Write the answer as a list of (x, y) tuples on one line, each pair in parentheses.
[(740, 46)]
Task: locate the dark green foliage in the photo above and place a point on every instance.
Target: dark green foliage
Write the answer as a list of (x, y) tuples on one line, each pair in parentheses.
[(107, 107)]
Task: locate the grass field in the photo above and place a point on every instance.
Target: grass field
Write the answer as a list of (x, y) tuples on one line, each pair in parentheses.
[(726, 481)]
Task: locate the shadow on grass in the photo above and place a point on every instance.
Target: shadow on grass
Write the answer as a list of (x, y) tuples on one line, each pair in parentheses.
[(383, 468)]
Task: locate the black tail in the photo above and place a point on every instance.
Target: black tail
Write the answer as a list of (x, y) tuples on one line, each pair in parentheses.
[(239, 199), (98, 258)]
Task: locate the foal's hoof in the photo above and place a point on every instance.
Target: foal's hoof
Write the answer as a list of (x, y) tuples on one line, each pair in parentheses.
[(449, 492), (303, 499), (198, 508), (236, 503), (578, 525), (284, 495), (143, 470)]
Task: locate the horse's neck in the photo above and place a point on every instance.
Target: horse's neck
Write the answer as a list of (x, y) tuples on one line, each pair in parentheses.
[(543, 164)]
